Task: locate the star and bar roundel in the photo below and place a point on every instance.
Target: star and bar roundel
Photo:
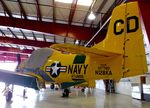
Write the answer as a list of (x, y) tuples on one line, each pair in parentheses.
[(55, 69)]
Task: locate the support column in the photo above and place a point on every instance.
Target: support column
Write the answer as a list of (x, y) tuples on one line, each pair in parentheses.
[(142, 81)]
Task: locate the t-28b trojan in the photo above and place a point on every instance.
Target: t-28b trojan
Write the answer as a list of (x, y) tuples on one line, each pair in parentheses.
[(121, 54)]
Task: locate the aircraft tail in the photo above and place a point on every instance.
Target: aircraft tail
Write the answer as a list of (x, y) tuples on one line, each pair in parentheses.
[(125, 36)]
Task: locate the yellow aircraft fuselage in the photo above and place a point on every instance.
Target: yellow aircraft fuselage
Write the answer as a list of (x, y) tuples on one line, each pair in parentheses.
[(71, 67)]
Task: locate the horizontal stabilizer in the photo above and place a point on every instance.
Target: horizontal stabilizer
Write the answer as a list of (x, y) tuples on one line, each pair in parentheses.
[(83, 50)]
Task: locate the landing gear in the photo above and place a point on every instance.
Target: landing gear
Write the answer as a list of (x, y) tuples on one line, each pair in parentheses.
[(52, 86), (8, 96), (65, 93), (82, 90), (8, 93)]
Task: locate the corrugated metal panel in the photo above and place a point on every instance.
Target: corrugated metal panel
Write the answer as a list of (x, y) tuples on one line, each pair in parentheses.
[(30, 9), (107, 6), (60, 39), (13, 6), (97, 5), (79, 16), (46, 2), (46, 11), (1, 8), (62, 13), (70, 40), (28, 1)]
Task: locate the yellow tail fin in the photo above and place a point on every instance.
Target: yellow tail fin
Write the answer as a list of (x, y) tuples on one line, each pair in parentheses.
[(125, 36)]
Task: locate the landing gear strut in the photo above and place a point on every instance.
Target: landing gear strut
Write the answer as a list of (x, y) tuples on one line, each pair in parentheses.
[(9, 96), (8, 93), (82, 90), (65, 93)]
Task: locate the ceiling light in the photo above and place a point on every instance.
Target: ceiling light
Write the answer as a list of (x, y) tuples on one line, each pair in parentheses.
[(79, 2), (64, 1), (85, 2), (91, 16)]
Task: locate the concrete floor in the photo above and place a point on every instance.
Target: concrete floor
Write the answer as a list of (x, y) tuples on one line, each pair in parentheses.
[(53, 99)]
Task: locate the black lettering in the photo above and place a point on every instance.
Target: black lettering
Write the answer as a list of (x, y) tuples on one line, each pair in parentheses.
[(79, 69), (77, 76), (85, 67), (103, 72), (110, 73), (117, 32), (70, 68), (129, 29), (75, 69), (96, 72)]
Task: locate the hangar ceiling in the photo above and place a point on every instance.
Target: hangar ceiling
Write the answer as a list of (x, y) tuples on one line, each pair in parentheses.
[(26, 25)]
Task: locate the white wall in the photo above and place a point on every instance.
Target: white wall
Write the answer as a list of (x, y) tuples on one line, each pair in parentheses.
[(124, 87), (100, 84), (148, 79), (125, 84)]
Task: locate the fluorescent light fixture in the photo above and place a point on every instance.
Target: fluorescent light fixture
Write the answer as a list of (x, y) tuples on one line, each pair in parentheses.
[(85, 2), (80, 2), (91, 16), (64, 1)]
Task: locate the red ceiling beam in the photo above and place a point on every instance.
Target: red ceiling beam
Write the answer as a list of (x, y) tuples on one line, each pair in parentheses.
[(25, 42), (77, 32), (22, 9), (72, 11)]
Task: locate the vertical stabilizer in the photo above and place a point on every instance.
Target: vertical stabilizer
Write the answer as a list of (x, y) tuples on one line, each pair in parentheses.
[(125, 36)]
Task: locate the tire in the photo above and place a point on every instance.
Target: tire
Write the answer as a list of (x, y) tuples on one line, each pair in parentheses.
[(65, 93), (9, 96)]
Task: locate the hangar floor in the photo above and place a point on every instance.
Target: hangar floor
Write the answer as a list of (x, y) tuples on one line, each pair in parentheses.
[(52, 99)]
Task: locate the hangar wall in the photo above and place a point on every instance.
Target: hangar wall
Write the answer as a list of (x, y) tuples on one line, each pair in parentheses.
[(100, 85), (123, 87)]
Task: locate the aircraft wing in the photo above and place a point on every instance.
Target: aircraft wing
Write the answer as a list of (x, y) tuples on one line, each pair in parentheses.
[(18, 79), (83, 50)]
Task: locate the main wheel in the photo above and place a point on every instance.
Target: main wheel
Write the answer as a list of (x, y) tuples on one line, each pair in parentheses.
[(9, 96), (65, 93), (82, 90), (52, 86)]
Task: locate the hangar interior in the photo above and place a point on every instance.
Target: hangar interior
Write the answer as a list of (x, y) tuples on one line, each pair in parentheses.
[(27, 25)]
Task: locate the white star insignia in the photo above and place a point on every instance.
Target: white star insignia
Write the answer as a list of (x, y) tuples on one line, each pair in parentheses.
[(55, 68)]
